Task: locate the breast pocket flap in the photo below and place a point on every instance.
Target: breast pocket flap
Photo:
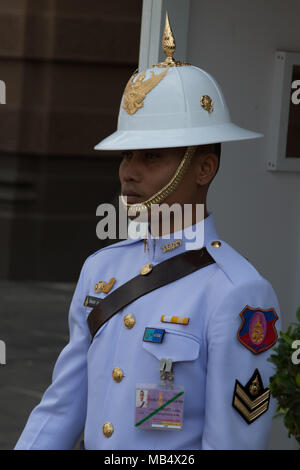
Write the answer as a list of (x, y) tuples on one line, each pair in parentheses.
[(175, 346)]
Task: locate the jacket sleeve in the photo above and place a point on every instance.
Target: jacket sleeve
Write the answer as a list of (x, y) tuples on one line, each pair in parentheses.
[(229, 361), (58, 420)]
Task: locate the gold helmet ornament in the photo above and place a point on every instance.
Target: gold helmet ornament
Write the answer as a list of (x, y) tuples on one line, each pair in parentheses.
[(172, 104)]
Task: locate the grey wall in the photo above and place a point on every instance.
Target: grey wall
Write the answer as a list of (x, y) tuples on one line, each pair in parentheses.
[(256, 211)]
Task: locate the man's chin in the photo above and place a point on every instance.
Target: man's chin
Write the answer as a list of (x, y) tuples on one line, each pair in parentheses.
[(138, 215)]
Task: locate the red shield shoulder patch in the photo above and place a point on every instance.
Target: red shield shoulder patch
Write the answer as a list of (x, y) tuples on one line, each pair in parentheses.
[(257, 332)]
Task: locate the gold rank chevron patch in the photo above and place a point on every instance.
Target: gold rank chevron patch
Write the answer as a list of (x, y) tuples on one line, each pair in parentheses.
[(252, 400)]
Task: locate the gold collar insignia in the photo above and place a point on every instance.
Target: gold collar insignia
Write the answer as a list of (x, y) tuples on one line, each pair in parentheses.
[(171, 246), (103, 286)]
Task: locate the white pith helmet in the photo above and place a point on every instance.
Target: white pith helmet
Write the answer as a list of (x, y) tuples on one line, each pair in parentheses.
[(172, 104)]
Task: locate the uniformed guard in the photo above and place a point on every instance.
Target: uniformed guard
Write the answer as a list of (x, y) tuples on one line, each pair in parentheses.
[(169, 339)]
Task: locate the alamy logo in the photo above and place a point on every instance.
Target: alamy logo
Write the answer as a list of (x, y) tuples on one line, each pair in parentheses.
[(2, 352), (296, 354), (160, 217), (296, 94), (2, 92)]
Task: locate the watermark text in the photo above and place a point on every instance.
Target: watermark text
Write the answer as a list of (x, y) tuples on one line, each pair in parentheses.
[(296, 94), (161, 220), (2, 92), (2, 352), (296, 354)]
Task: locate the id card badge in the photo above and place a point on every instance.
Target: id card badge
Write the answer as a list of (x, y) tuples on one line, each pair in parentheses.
[(159, 407)]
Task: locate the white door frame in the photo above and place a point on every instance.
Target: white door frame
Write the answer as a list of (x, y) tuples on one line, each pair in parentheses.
[(153, 22)]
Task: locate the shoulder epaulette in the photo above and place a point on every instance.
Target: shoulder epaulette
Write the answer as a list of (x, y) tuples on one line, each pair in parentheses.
[(236, 267)]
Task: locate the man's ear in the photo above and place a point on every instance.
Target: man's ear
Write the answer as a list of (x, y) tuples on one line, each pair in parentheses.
[(206, 167)]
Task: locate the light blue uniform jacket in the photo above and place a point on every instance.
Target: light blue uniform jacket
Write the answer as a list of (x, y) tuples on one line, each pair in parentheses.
[(206, 353)]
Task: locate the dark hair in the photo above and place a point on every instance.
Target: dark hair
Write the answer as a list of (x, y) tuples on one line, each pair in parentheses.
[(217, 150)]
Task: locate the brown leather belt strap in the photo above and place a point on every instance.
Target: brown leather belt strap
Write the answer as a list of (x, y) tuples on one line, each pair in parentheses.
[(163, 273)]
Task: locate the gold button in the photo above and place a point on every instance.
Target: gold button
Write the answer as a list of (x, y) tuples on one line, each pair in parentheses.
[(146, 269), (129, 321), (216, 244), (107, 429), (117, 374)]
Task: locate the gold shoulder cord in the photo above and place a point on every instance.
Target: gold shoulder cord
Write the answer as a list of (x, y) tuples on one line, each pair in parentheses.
[(169, 188)]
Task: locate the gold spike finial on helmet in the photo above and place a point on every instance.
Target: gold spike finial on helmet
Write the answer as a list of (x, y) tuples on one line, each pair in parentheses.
[(168, 42), (169, 46)]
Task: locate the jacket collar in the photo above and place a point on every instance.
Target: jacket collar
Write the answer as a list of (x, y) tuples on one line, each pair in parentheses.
[(191, 238)]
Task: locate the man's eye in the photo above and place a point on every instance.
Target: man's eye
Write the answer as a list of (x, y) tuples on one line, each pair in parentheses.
[(151, 155), (126, 154)]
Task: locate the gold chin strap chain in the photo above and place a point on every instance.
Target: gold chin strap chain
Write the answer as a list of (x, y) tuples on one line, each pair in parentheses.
[(164, 192)]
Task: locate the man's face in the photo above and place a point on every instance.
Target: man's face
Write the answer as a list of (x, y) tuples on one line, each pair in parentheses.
[(144, 172), (141, 395)]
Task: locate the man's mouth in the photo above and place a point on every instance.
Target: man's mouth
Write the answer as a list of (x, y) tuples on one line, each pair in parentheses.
[(132, 197)]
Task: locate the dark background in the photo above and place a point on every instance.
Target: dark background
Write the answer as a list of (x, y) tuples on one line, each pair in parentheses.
[(65, 64)]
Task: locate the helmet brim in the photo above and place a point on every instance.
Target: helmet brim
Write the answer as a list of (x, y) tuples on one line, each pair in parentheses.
[(165, 138)]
